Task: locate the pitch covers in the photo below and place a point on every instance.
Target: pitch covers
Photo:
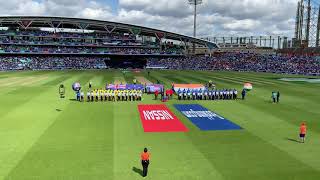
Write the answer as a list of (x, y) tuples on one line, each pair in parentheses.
[(158, 118)]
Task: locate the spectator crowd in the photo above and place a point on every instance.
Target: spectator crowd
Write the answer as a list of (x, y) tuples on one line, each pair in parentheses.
[(44, 42), (17, 49), (241, 62), (229, 61), (51, 62)]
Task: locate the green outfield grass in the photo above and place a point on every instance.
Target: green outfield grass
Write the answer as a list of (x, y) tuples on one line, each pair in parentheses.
[(43, 137)]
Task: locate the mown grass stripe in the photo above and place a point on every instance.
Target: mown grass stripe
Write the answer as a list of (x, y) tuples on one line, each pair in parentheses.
[(22, 127)]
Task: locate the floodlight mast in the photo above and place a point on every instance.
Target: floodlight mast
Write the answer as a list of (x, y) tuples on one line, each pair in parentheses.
[(195, 3)]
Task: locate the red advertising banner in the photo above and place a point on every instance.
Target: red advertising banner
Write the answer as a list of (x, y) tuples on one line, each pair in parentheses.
[(158, 118)]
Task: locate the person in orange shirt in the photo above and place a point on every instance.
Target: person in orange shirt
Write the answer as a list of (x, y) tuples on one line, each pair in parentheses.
[(303, 131), (145, 157)]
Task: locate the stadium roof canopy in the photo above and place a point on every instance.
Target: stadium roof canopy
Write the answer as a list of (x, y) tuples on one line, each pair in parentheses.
[(29, 22)]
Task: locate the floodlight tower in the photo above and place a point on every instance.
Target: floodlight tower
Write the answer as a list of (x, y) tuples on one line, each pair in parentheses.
[(195, 3)]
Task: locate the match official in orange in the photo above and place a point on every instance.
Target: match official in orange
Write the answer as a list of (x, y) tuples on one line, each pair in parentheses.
[(303, 132), (145, 157)]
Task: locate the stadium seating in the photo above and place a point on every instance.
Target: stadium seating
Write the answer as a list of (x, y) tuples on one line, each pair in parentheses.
[(242, 62), (44, 42)]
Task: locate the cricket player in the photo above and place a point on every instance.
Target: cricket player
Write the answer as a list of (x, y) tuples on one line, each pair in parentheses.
[(179, 94), (193, 94), (199, 94), (105, 94), (303, 132), (88, 96), (135, 95), (116, 95), (124, 95), (210, 95), (221, 94), (81, 96), (274, 97), (227, 94), (213, 94), (184, 94), (129, 95), (278, 96), (119, 95), (78, 95), (139, 95), (205, 95), (188, 94), (145, 161), (108, 95), (92, 95), (113, 95), (231, 94), (235, 94), (97, 94), (101, 93), (224, 94), (243, 93)]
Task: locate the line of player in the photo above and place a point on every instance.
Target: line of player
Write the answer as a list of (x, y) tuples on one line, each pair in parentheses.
[(224, 94), (111, 95)]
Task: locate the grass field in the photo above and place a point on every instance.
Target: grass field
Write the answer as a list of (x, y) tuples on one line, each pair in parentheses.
[(47, 138)]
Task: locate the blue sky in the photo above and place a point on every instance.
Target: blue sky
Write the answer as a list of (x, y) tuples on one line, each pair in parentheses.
[(112, 3)]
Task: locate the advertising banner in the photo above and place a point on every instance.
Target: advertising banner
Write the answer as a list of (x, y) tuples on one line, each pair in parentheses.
[(158, 118), (204, 119)]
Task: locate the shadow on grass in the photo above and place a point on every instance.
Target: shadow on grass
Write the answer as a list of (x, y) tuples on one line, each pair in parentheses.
[(137, 170), (293, 140)]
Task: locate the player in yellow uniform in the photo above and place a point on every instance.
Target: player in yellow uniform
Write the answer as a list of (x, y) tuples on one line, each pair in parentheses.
[(101, 95), (112, 95), (119, 95), (108, 94), (116, 95), (139, 95), (130, 95)]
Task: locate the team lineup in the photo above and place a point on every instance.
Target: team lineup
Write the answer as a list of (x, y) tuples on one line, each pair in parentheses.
[(225, 94), (111, 95)]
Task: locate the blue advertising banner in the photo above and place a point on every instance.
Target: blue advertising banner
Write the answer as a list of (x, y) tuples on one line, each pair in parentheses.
[(204, 119)]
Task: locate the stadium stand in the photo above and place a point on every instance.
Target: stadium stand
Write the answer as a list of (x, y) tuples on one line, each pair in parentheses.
[(306, 65), (51, 62)]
